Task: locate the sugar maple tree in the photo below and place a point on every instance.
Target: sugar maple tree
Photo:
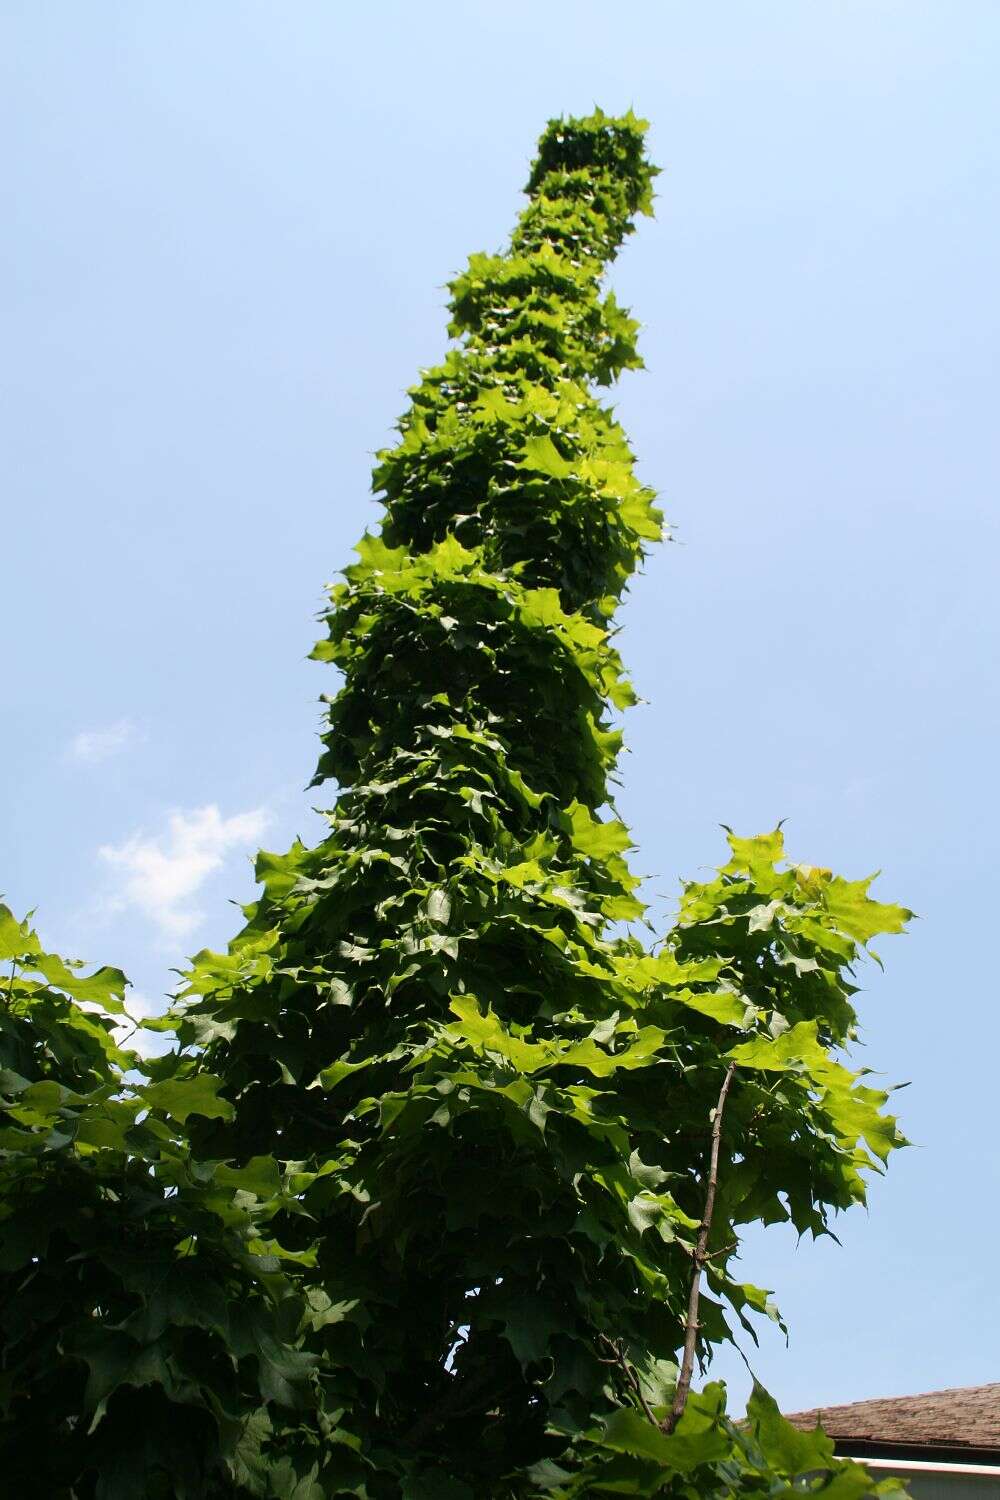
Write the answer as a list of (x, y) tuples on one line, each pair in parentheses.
[(445, 1179)]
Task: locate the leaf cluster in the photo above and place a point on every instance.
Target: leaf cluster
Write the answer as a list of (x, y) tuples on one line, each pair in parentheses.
[(415, 1206), (144, 1319)]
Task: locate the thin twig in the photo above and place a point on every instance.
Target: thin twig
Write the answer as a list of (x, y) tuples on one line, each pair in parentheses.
[(712, 1254), (10, 987), (633, 1380), (699, 1257), (630, 1374)]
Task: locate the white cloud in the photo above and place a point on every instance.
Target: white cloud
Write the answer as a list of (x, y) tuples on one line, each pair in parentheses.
[(129, 1034), (93, 745), (161, 875)]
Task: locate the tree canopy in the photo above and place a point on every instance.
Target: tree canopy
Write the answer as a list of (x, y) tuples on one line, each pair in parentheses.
[(439, 1194)]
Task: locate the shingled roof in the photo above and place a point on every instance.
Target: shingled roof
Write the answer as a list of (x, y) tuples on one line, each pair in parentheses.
[(964, 1421)]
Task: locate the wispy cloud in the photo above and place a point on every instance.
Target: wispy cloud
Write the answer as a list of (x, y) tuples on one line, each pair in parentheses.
[(93, 745), (130, 1034), (161, 875)]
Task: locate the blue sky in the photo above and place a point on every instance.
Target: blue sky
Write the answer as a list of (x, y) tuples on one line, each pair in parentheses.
[(227, 232)]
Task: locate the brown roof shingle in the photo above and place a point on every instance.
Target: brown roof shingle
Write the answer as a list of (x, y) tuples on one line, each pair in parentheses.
[(967, 1417)]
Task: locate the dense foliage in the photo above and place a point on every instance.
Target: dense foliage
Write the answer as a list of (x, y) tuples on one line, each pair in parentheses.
[(440, 1193), (144, 1317)]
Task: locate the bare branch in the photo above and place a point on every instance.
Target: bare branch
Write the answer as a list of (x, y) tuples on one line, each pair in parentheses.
[(629, 1372), (700, 1255)]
